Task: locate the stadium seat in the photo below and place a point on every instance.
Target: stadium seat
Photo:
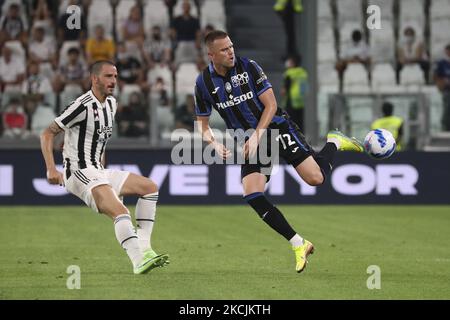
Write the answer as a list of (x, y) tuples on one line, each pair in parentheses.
[(69, 94), (185, 78), (383, 76), (326, 52), (382, 43), (439, 10), (324, 10), (412, 74), (156, 14), (438, 50), (62, 7), (213, 13), (122, 12), (166, 119), (41, 119), (439, 37), (356, 79), (160, 71), (128, 89), (349, 11), (327, 74), (325, 31), (100, 13)]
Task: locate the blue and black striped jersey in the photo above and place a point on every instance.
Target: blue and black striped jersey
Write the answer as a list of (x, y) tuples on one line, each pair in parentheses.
[(235, 96)]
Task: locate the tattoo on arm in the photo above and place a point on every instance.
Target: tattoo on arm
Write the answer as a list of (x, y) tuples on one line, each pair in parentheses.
[(54, 128)]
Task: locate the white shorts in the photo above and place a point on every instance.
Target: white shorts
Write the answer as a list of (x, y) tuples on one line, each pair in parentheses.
[(81, 183)]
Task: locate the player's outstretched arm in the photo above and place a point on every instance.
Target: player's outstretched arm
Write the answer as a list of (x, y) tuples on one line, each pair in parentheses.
[(47, 138), (208, 136)]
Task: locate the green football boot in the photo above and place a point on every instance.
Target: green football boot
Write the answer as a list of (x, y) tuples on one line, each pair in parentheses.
[(346, 143), (163, 258)]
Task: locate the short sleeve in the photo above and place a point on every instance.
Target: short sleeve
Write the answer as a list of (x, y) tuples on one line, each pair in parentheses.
[(73, 114), (202, 106), (259, 78)]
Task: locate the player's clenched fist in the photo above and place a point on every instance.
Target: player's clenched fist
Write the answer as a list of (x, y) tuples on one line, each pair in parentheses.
[(223, 152), (55, 177)]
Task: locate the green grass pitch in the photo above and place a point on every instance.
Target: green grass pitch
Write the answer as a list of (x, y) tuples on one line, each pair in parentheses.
[(227, 252)]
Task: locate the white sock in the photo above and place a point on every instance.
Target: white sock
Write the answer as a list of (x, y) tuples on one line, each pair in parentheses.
[(127, 238), (296, 240), (145, 218)]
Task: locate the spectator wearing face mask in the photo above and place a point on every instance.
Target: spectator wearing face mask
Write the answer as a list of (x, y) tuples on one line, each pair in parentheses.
[(157, 49), (129, 68), (356, 52), (412, 51)]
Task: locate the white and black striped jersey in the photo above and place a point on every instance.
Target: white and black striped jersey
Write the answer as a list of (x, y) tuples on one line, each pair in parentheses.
[(87, 125)]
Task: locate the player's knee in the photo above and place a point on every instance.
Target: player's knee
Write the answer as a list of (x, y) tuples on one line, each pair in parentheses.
[(111, 209), (315, 178), (147, 187)]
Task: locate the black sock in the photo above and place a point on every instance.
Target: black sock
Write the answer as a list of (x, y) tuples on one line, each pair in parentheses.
[(270, 214), (325, 158)]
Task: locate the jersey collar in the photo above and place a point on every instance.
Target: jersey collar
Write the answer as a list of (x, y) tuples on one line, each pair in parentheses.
[(99, 104), (215, 74)]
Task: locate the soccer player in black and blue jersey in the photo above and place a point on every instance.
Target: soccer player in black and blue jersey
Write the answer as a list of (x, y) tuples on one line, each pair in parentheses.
[(240, 92)]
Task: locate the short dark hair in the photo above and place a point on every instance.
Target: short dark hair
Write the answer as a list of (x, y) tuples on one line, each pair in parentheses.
[(96, 67), (73, 50), (214, 35), (356, 35), (387, 108)]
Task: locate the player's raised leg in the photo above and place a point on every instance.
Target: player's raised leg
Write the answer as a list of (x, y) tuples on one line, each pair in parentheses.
[(145, 212), (253, 185), (108, 203), (314, 169)]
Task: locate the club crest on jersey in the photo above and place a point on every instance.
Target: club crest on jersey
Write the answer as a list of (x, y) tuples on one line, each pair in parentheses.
[(105, 130), (239, 79), (228, 87)]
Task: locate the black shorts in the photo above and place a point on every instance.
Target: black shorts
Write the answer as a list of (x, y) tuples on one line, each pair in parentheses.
[(292, 147)]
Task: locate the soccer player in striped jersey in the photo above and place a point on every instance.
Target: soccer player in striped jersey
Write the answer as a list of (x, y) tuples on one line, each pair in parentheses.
[(87, 124), (240, 92)]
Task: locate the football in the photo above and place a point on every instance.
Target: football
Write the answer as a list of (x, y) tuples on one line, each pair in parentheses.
[(379, 144)]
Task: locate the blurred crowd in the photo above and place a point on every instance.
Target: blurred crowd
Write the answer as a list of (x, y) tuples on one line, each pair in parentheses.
[(44, 59)]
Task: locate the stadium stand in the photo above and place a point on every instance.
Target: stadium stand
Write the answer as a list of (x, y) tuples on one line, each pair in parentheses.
[(335, 22), (429, 18)]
